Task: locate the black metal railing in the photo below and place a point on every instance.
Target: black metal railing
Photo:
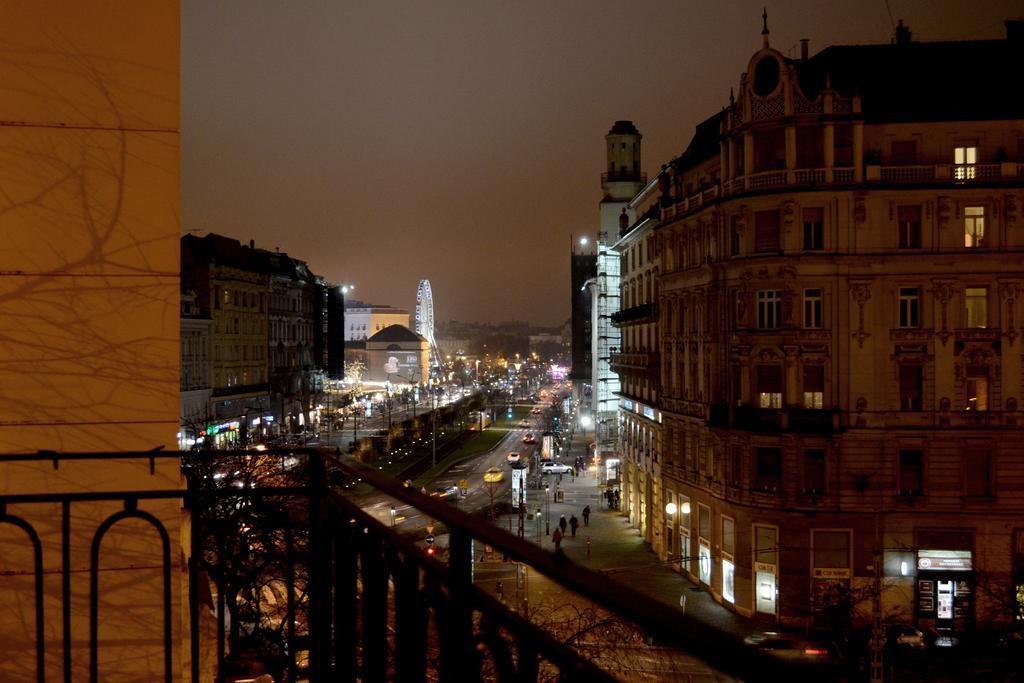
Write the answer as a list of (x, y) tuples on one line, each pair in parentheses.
[(360, 600), (642, 312)]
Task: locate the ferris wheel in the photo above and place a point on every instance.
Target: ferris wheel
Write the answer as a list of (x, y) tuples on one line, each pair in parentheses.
[(425, 318)]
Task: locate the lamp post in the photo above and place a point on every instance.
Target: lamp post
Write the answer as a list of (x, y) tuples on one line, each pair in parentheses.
[(392, 516), (539, 515), (547, 509)]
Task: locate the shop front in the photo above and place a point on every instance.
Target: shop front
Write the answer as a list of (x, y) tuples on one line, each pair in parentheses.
[(945, 589)]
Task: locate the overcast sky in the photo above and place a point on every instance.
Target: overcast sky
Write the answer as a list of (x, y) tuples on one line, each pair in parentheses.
[(384, 142)]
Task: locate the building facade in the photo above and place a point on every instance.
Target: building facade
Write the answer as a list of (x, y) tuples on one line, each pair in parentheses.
[(196, 385), (637, 364), (363, 321), (397, 355), (839, 315)]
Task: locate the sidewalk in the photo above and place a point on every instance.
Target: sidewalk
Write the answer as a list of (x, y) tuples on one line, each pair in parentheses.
[(618, 550)]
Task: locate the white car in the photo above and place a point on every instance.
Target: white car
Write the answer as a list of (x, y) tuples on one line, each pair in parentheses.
[(514, 457), (554, 468)]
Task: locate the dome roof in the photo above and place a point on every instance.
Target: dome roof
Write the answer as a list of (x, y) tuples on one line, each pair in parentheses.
[(396, 333)]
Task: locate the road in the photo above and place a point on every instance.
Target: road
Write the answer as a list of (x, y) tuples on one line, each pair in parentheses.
[(409, 520)]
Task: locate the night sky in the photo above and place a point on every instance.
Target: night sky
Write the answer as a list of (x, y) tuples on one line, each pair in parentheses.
[(384, 142)]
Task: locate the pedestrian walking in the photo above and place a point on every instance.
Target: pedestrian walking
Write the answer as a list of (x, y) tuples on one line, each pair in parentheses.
[(574, 524), (562, 524), (556, 538), (611, 498), (618, 499), (586, 516)]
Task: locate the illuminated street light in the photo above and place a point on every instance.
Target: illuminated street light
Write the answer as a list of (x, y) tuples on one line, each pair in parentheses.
[(584, 241), (670, 508), (686, 508), (345, 289), (392, 515)]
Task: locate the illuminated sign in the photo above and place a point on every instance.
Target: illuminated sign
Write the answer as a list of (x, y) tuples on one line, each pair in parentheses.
[(944, 560), (831, 573), (518, 490), (627, 404)]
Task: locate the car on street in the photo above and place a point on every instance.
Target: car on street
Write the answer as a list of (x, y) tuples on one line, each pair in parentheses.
[(445, 492), (529, 438), (535, 411), (788, 647), (493, 476), (554, 468), (513, 456)]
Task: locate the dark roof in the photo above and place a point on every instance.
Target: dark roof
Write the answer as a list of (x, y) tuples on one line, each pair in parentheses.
[(704, 143), (623, 128), (226, 251), (396, 333), (949, 81)]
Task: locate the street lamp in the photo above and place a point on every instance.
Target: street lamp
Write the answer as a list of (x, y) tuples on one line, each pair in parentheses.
[(670, 508), (539, 515), (392, 516), (584, 241), (686, 507)]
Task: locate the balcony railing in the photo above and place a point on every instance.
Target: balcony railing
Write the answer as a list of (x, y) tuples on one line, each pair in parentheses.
[(937, 174), (624, 177), (349, 598), (771, 420), (640, 313)]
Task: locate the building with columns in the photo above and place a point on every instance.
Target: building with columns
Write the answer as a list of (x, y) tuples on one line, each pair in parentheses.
[(840, 354)]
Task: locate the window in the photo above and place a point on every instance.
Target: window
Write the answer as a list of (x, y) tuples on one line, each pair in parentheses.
[(911, 477), (734, 236), (814, 470), (831, 549), (910, 301), (768, 475), (769, 386), (974, 226), (814, 231), (976, 300), (704, 521), (976, 388), (728, 535), (964, 159), (977, 469), (769, 309), (734, 472), (812, 308), (814, 386), (216, 297), (766, 231), (911, 387), (909, 220)]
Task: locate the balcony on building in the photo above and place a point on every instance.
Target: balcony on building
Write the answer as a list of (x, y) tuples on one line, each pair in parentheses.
[(641, 313)]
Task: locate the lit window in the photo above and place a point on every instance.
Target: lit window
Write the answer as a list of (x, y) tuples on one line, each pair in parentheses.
[(812, 308), (964, 158), (976, 300), (814, 386), (974, 226), (976, 388), (910, 302), (769, 309), (769, 386)]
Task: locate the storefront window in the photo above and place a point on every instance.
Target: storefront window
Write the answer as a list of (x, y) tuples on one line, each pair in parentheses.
[(728, 580)]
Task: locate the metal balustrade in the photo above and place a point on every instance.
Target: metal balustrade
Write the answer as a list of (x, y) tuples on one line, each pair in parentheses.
[(365, 602)]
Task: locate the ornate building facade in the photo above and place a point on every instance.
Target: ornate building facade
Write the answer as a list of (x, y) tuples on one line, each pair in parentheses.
[(839, 317)]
